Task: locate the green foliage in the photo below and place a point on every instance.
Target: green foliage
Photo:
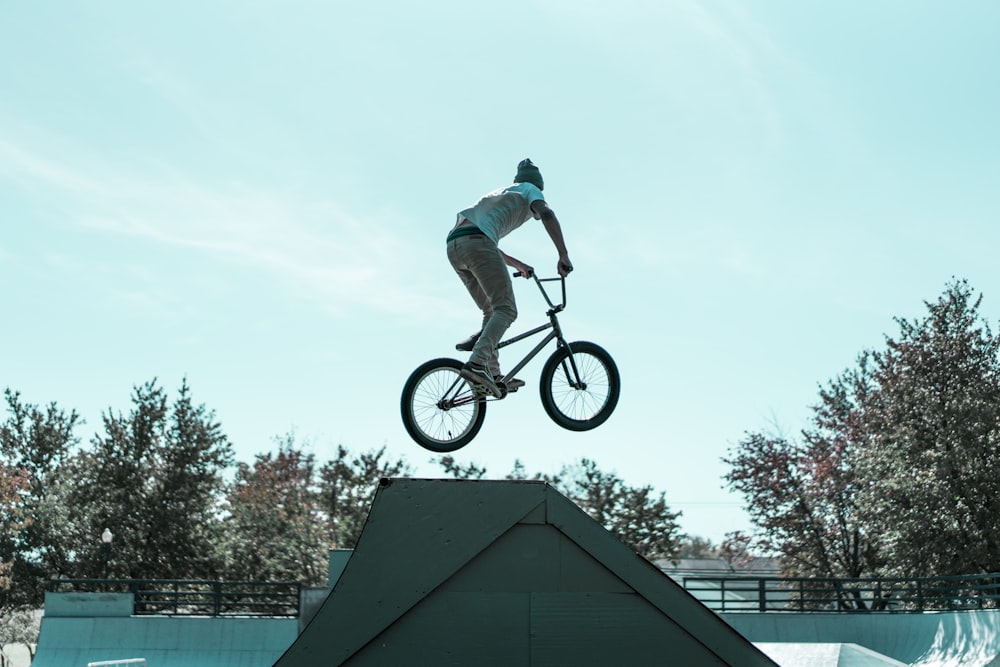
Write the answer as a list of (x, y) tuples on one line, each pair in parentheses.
[(35, 445), (458, 471), (347, 488), (13, 483), (896, 475), (153, 479), (154, 476), (803, 495), (283, 514), (638, 516), (697, 548), (274, 528), (932, 430)]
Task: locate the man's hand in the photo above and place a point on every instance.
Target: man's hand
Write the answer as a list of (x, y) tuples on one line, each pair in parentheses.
[(513, 262), (525, 270), (564, 266)]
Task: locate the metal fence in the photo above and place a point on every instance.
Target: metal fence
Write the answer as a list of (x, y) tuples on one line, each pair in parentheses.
[(183, 597), (776, 594)]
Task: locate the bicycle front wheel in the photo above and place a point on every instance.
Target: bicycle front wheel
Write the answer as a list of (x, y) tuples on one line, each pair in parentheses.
[(440, 411), (580, 386)]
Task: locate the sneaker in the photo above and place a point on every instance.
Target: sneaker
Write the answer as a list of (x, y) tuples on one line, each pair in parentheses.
[(512, 384), (481, 380), (467, 344)]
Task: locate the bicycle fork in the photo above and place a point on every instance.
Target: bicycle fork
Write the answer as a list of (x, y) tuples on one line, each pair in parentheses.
[(573, 378)]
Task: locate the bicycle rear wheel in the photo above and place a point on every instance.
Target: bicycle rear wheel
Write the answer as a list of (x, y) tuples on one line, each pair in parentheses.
[(439, 409), (580, 386)]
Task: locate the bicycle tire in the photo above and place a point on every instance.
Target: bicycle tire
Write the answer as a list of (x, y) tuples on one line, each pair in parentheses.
[(583, 405), (439, 409)]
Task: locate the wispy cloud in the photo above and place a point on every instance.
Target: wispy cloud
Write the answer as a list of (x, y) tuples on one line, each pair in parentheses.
[(314, 246), (709, 49)]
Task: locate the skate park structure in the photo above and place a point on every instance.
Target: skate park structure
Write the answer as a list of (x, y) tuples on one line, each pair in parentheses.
[(459, 572), (504, 573)]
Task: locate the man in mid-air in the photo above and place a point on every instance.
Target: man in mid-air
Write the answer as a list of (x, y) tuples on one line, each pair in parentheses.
[(477, 259)]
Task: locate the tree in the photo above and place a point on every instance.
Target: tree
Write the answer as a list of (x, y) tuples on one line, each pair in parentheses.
[(692, 546), (154, 478), (274, 528), (284, 513), (895, 475), (638, 516), (458, 471), (12, 484), (803, 496), (347, 488), (35, 444), (932, 442), (188, 483)]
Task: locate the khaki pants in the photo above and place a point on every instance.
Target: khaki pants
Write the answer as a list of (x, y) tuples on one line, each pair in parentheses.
[(478, 262)]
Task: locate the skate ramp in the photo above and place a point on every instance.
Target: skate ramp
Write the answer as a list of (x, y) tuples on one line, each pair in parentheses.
[(460, 572), (826, 655), (164, 641), (930, 639)]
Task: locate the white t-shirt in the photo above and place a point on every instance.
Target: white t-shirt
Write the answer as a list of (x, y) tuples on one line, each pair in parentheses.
[(502, 211)]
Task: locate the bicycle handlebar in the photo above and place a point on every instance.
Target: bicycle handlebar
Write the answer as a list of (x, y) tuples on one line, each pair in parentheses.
[(541, 288)]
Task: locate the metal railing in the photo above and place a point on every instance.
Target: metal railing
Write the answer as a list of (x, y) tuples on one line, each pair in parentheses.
[(800, 594), (183, 597)]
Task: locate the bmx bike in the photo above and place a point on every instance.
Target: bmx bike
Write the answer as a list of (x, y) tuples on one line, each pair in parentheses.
[(579, 387)]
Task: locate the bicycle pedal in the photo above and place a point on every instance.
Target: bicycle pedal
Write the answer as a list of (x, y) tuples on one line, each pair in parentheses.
[(512, 386)]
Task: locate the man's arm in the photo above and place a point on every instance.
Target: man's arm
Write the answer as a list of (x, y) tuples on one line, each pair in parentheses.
[(526, 270), (548, 217)]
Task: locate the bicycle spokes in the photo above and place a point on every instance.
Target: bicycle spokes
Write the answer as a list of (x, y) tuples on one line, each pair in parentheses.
[(580, 386), (440, 409)]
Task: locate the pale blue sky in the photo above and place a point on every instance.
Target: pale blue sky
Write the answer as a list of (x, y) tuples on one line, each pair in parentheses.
[(254, 195)]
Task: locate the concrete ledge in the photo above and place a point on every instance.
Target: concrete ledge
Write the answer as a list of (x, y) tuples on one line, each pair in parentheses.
[(93, 605)]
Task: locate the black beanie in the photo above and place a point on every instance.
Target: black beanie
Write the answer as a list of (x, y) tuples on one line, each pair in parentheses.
[(528, 173)]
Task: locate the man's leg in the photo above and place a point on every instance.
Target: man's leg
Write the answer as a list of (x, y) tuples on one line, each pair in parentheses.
[(487, 265), (481, 268), (457, 257)]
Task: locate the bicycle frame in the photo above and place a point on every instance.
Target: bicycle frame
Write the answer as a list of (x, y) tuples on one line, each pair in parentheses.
[(453, 398), (554, 334)]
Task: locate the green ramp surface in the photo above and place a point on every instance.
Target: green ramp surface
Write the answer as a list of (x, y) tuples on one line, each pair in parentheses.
[(473, 572)]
